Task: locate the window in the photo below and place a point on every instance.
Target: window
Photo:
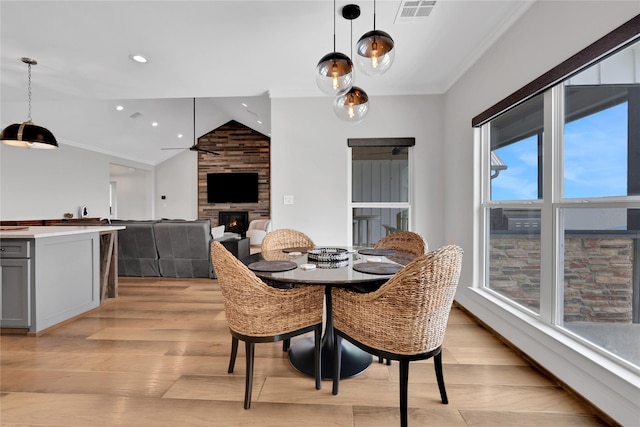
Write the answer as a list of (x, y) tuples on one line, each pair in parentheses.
[(516, 152), (379, 187), (561, 207), (595, 142)]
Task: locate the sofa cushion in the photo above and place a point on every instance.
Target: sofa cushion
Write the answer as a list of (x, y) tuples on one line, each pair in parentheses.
[(184, 248), (137, 254)]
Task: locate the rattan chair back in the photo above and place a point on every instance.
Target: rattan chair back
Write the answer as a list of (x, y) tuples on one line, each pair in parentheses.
[(277, 240), (259, 313), (409, 313), (404, 320), (256, 309), (403, 241)]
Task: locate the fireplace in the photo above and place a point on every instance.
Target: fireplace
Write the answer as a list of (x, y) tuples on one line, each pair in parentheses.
[(234, 221)]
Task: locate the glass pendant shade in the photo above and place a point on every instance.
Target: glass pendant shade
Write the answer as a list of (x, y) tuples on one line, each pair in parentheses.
[(334, 73), (29, 135), (375, 53), (352, 106)]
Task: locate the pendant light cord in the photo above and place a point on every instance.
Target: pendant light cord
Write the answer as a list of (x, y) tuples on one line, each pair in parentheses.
[(29, 92), (194, 122), (351, 39), (374, 15), (334, 25)]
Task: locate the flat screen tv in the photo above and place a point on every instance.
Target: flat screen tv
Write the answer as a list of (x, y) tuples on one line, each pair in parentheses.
[(232, 187)]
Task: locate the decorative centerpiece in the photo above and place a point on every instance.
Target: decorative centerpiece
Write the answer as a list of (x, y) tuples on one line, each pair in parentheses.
[(332, 264), (328, 255)]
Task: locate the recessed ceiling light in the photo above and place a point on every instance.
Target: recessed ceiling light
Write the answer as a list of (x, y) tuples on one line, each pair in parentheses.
[(119, 108), (244, 105), (154, 124), (179, 135), (138, 58), (259, 122)]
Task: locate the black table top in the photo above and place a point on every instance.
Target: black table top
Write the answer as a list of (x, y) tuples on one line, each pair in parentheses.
[(341, 276)]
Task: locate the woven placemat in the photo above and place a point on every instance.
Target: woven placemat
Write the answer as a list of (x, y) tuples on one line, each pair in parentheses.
[(377, 267), (378, 252), (302, 250), (401, 258), (272, 266)]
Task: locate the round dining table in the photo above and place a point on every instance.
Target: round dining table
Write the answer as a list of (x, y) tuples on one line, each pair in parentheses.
[(296, 269)]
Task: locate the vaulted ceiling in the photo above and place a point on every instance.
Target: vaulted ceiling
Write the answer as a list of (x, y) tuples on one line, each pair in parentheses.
[(224, 53)]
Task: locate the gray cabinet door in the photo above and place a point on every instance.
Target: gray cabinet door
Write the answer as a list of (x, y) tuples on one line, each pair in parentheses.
[(14, 293)]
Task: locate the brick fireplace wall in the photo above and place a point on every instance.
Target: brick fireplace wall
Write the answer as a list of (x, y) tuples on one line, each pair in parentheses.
[(241, 150)]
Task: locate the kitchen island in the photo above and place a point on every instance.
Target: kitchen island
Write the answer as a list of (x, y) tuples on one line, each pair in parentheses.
[(50, 274)]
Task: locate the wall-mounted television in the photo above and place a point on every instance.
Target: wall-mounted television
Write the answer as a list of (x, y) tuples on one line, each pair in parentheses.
[(232, 187)]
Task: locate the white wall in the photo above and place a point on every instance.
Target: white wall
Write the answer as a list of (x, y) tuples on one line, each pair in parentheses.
[(177, 179), (549, 33), (45, 184), (310, 160), (134, 189)]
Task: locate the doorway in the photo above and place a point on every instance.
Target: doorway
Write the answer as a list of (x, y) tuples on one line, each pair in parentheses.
[(380, 188)]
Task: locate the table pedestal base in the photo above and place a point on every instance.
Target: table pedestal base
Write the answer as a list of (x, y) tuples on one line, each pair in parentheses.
[(354, 360)]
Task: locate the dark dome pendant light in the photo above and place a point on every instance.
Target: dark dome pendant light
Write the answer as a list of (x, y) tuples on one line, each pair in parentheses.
[(27, 134), (334, 72)]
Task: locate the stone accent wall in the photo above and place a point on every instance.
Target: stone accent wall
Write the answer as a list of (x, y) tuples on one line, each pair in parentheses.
[(515, 269), (598, 275), (241, 150)]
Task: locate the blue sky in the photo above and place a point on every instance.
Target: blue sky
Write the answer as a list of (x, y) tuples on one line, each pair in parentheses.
[(595, 160)]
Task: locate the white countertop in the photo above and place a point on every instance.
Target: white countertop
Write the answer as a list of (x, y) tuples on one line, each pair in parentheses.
[(36, 232)]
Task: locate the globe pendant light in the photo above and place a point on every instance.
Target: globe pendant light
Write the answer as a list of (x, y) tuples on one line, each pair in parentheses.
[(353, 105), (27, 134), (334, 72), (374, 50)]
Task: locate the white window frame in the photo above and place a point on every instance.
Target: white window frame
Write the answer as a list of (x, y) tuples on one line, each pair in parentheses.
[(551, 206), (351, 205)]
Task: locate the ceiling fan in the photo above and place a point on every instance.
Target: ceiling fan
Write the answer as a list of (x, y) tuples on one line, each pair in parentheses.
[(192, 148), (195, 146)]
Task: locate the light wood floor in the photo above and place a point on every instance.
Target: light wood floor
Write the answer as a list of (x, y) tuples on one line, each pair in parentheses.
[(158, 355)]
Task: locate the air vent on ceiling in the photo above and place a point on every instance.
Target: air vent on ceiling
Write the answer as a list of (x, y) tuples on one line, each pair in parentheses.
[(414, 11), (135, 115)]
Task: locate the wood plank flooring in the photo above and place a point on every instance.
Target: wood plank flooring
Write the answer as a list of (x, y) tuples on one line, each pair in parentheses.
[(158, 356)]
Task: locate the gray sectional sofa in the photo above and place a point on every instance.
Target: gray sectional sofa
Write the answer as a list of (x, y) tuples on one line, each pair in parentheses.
[(165, 248)]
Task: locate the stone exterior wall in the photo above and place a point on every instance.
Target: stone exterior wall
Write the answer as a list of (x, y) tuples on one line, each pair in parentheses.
[(515, 269), (598, 275)]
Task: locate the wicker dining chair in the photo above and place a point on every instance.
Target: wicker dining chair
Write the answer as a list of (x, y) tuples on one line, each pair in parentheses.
[(404, 320), (277, 240), (259, 313), (403, 241)]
